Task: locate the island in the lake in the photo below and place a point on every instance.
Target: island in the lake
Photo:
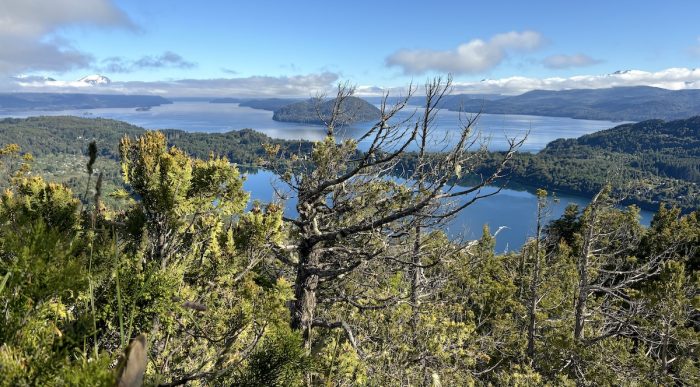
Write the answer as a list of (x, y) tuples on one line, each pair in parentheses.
[(315, 111)]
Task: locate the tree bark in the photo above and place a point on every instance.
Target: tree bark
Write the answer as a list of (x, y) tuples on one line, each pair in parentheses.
[(305, 286)]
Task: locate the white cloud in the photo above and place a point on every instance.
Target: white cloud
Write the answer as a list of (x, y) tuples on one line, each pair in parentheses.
[(27, 34), (255, 86), (672, 78), (472, 57), (569, 61)]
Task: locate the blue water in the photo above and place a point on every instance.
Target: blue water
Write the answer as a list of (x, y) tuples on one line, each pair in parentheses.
[(512, 209)]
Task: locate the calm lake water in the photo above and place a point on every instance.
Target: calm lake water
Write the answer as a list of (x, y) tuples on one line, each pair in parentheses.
[(513, 209)]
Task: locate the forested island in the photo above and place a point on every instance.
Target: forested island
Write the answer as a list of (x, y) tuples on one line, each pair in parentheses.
[(72, 101), (318, 111)]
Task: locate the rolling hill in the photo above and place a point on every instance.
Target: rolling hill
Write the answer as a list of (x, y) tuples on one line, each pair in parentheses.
[(353, 110)]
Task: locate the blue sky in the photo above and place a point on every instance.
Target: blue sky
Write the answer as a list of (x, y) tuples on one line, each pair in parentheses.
[(291, 48)]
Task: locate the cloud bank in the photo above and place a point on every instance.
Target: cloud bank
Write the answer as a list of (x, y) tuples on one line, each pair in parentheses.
[(673, 79), (255, 86), (307, 85), (27, 38), (472, 57)]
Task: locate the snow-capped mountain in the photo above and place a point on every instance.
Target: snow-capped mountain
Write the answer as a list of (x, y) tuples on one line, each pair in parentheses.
[(95, 80)]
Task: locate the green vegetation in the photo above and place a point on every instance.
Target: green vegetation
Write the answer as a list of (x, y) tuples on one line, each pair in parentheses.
[(650, 162), (59, 143), (320, 111), (657, 161), (176, 266), (181, 285)]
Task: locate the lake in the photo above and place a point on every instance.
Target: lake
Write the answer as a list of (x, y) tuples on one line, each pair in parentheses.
[(513, 209)]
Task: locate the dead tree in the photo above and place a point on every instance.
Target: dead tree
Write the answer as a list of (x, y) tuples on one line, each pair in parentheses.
[(352, 208)]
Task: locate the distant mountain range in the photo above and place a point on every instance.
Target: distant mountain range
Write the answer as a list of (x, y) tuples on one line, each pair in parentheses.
[(635, 103), (353, 110), (66, 101)]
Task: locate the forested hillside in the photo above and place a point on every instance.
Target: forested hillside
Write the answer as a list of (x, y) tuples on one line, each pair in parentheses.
[(669, 149), (59, 143), (180, 284), (658, 161)]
